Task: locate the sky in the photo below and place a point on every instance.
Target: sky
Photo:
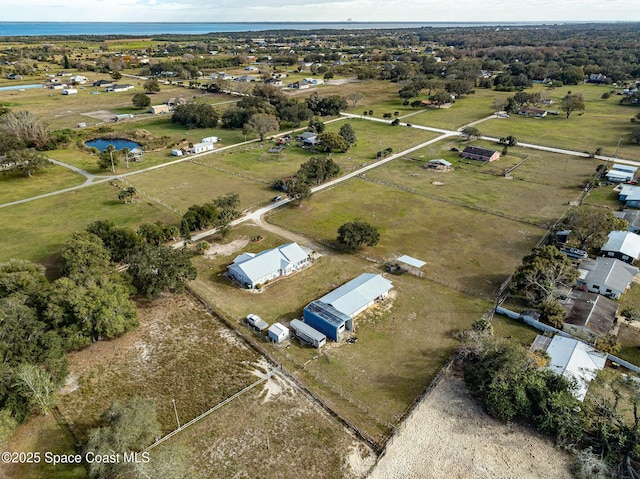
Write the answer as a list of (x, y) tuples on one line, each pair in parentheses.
[(217, 11)]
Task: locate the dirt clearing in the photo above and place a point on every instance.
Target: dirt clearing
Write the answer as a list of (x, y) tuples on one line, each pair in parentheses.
[(450, 436)]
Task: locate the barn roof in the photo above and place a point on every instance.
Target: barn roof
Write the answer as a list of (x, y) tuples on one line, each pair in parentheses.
[(357, 293)]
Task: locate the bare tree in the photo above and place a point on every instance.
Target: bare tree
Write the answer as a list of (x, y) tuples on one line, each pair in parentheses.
[(25, 127), (355, 97)]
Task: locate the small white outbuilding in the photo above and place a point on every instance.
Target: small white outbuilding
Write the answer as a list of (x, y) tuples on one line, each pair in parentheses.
[(278, 333)]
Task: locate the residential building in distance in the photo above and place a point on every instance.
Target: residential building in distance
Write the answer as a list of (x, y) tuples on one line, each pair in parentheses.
[(480, 154)]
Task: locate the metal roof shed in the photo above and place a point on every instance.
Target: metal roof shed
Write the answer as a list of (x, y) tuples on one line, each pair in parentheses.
[(358, 294), (278, 333), (411, 265)]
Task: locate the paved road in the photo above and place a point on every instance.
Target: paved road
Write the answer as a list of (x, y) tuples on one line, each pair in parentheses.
[(256, 215)]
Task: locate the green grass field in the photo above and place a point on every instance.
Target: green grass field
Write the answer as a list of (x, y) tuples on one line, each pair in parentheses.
[(532, 194), (37, 229), (17, 187), (464, 249)]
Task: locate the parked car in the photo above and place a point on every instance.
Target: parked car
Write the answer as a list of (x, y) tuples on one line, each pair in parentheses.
[(276, 198)]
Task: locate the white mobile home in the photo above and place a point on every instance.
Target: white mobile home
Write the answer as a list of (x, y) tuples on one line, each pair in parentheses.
[(201, 147), (70, 91)]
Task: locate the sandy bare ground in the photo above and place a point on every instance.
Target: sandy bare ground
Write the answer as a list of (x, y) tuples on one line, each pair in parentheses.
[(450, 436), (104, 115)]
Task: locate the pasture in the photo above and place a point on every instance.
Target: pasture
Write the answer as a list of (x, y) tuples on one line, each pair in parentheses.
[(465, 249), (37, 229), (401, 345)]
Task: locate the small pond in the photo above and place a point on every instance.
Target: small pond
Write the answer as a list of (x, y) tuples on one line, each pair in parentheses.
[(20, 87), (102, 143)]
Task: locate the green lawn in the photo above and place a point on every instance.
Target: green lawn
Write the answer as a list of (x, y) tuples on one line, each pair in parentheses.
[(602, 125), (465, 249), (13, 188), (36, 230)]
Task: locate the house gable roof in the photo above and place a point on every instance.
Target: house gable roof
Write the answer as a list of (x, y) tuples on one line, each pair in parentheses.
[(592, 311), (256, 267), (575, 360), (609, 272), (623, 242)]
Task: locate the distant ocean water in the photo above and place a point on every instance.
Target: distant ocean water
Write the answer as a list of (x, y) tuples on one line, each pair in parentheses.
[(143, 29)]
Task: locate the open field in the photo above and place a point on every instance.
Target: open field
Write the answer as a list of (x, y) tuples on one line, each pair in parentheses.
[(534, 198), (466, 109), (13, 188), (601, 126), (465, 249), (450, 436), (36, 230)]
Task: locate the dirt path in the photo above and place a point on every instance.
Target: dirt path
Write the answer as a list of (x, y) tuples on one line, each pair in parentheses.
[(291, 236), (449, 436)]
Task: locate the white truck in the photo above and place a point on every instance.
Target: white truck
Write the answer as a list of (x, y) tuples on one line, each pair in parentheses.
[(257, 322)]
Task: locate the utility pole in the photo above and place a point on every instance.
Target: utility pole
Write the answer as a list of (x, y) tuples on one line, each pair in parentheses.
[(617, 147), (176, 411)]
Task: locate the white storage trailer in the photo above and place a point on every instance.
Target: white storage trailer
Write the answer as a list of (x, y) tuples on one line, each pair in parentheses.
[(308, 334)]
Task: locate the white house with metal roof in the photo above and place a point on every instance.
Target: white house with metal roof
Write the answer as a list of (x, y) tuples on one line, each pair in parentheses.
[(333, 313), (622, 245), (607, 276), (257, 269), (576, 361)]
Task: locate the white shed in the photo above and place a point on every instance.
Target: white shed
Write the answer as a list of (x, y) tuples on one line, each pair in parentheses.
[(278, 333), (70, 91)]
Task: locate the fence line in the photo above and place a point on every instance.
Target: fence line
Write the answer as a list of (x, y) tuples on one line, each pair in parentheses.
[(230, 172), (253, 344), (152, 198), (206, 413)]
